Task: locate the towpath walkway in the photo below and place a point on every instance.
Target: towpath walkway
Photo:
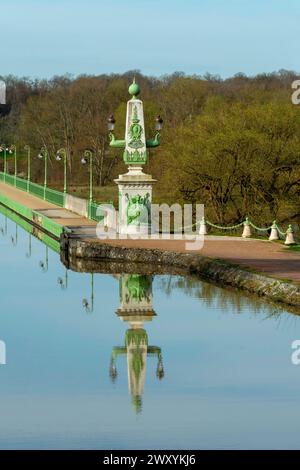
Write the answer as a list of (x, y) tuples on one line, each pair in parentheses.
[(262, 256)]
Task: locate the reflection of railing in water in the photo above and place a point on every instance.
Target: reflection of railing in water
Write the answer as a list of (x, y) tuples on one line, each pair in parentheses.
[(49, 242), (43, 237)]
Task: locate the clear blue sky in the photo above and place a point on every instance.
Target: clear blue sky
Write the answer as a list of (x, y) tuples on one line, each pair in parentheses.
[(47, 37)]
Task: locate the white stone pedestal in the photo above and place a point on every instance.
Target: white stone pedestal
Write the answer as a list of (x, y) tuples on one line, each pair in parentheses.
[(135, 198)]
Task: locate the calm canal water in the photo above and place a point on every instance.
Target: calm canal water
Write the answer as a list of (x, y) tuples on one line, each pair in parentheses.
[(127, 361)]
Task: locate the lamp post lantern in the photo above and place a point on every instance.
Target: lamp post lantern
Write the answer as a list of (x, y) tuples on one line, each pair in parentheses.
[(62, 153), (158, 123), (135, 187), (27, 148), (88, 158), (43, 155)]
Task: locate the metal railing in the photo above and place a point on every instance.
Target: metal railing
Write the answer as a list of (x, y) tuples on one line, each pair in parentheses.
[(56, 197), (49, 195), (35, 190), (92, 211)]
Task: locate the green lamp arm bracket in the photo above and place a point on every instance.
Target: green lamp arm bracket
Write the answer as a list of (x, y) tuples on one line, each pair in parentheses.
[(116, 143), (153, 350), (154, 142)]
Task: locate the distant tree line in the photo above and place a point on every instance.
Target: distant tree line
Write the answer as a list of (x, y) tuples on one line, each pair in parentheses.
[(231, 144)]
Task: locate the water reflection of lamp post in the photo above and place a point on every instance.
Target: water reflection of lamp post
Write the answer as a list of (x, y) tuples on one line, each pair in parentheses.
[(113, 373), (43, 155), (63, 283), (4, 230), (13, 150), (27, 148), (14, 239), (88, 157), (62, 154), (160, 372), (28, 254), (44, 265), (89, 306)]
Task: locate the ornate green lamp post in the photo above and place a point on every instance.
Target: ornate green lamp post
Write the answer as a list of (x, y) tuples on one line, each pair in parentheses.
[(62, 153), (135, 187), (13, 149), (88, 158), (136, 309), (27, 148), (43, 155)]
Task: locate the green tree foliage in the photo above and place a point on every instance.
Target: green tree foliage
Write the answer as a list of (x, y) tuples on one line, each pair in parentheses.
[(240, 160)]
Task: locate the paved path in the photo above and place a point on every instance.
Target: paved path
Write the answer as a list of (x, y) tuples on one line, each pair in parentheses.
[(57, 214), (263, 256)]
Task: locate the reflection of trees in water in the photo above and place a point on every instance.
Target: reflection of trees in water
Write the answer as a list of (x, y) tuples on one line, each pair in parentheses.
[(221, 298)]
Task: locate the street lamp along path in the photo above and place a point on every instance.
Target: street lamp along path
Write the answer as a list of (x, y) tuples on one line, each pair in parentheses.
[(62, 154), (87, 157)]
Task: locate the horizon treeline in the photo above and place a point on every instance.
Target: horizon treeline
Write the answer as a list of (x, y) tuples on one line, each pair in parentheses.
[(232, 144)]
